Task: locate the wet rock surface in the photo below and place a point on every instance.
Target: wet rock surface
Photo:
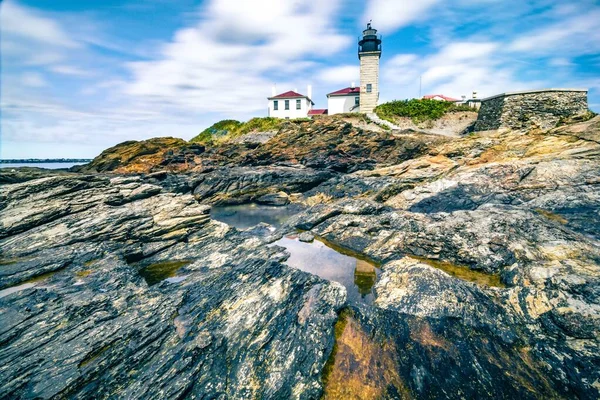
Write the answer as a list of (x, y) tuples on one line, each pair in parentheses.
[(241, 324), (488, 286)]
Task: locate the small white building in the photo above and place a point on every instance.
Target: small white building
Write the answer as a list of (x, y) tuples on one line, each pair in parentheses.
[(290, 105), (345, 100), (441, 97)]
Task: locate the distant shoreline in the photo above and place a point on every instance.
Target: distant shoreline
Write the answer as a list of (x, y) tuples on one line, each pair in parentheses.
[(47, 160)]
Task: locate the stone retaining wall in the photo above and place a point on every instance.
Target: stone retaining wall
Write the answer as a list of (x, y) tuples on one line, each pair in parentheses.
[(518, 110)]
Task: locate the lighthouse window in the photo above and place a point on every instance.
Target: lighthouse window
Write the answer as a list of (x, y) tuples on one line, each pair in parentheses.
[(356, 101), (298, 104), (275, 105), (287, 104), (369, 88)]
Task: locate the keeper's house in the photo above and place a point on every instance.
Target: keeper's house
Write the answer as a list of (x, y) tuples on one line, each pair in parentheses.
[(345, 100), (290, 105)]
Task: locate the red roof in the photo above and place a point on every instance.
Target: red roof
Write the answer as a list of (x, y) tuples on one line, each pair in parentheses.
[(318, 112), (431, 96), (345, 91), (287, 95)]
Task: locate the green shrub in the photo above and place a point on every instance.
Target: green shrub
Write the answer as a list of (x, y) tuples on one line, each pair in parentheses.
[(418, 109)]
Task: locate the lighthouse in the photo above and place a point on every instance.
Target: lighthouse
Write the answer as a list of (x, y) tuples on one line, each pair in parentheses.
[(369, 52)]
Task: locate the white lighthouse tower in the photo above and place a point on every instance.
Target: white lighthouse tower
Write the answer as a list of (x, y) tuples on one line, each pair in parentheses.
[(369, 52)]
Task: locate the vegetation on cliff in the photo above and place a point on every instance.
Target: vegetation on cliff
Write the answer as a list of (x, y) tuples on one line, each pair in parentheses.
[(228, 129), (418, 109), (218, 129), (328, 143)]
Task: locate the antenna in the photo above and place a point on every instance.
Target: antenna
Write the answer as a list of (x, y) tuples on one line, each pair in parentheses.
[(420, 84)]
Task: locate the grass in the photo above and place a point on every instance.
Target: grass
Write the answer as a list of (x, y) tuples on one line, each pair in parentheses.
[(218, 129), (228, 129), (419, 110)]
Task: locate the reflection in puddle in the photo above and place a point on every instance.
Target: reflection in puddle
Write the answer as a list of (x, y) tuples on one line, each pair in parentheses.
[(156, 273), (33, 282), (14, 289), (358, 276), (245, 216)]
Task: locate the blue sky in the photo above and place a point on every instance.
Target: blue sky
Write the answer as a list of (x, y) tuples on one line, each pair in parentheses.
[(80, 76)]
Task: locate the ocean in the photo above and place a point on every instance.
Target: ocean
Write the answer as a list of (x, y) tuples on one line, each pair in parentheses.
[(49, 165)]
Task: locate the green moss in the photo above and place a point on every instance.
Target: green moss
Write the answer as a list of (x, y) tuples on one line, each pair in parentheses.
[(464, 272), (551, 216), (338, 330)]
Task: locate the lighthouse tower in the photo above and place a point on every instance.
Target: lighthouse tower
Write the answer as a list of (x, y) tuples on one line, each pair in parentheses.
[(369, 52)]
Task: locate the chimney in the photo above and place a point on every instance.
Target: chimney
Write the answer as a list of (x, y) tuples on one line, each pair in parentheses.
[(474, 94), (309, 91), (352, 85), (273, 90), (296, 89)]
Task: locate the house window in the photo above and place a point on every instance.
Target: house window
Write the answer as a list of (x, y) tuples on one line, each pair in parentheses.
[(275, 105), (287, 104), (356, 101), (369, 88), (298, 104)]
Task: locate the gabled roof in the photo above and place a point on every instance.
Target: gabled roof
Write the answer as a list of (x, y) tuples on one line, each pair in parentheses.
[(431, 96), (290, 95), (349, 91), (318, 111), (287, 95)]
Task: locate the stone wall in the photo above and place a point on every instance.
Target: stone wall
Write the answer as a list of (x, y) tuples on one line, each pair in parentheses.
[(543, 108)]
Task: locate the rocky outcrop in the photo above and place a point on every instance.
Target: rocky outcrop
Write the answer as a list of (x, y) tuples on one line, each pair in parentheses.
[(488, 286), (238, 323), (330, 144), (261, 184)]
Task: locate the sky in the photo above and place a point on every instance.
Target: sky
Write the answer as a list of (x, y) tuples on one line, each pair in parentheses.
[(80, 76)]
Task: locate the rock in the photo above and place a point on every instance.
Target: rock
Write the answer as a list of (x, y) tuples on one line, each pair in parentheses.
[(240, 325), (306, 237), (483, 251), (274, 199), (242, 185)]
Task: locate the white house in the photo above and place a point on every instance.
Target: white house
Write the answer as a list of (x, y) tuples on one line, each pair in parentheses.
[(290, 104), (345, 100)]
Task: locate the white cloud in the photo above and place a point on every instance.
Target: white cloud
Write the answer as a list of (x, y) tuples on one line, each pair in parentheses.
[(33, 79), (23, 22), (69, 70), (344, 74), (457, 69), (389, 15), (228, 61), (577, 34)]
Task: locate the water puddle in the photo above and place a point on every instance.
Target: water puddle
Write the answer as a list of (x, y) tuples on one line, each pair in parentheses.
[(464, 273), (244, 216), (335, 264), (361, 367), (30, 283), (163, 271)]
